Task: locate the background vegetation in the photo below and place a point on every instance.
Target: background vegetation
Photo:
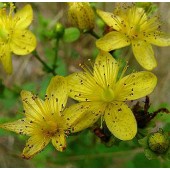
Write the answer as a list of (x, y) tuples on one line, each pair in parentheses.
[(85, 149)]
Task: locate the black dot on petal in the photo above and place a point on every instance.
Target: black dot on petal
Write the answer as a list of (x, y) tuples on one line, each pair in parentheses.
[(119, 110)]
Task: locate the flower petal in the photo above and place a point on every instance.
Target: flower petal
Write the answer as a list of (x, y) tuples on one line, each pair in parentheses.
[(57, 93), (83, 115), (144, 54), (20, 126), (23, 42), (82, 86), (162, 40), (105, 69), (113, 40), (5, 58), (59, 141), (135, 86), (33, 106), (23, 17), (110, 19), (34, 145), (120, 121)]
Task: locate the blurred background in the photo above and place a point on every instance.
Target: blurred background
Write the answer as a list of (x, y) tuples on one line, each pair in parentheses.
[(84, 149)]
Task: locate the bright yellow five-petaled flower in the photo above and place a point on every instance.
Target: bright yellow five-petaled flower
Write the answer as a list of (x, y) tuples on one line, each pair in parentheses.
[(103, 94), (14, 35), (44, 120), (132, 26)]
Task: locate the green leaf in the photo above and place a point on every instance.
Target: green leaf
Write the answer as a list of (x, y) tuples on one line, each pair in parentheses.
[(167, 155), (71, 34), (143, 142), (61, 67), (140, 161), (44, 84), (149, 154)]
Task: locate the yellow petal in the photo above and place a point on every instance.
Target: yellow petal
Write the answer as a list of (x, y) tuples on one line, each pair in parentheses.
[(137, 17), (59, 141), (110, 19), (162, 40), (33, 106), (83, 115), (113, 40), (105, 69), (5, 58), (34, 145), (23, 42), (135, 86), (144, 54), (20, 126), (57, 93), (120, 121), (23, 17), (82, 86)]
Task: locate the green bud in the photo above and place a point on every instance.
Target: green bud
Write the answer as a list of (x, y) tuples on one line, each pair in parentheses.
[(143, 4), (158, 142), (59, 30), (2, 5), (100, 23), (149, 7)]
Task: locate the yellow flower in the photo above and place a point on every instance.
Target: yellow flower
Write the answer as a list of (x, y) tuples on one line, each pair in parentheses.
[(81, 15), (103, 94), (44, 120), (14, 35), (132, 26)]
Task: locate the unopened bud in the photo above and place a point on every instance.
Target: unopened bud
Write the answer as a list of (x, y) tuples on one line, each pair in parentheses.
[(158, 142), (59, 30), (147, 6), (81, 15)]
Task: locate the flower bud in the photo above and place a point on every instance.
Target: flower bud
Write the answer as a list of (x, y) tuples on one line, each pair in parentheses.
[(158, 142), (149, 7), (81, 15), (59, 30)]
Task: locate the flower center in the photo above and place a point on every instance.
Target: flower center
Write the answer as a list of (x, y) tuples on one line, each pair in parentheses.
[(108, 95), (50, 128)]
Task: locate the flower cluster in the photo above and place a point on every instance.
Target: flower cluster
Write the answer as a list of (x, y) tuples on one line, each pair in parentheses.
[(102, 89)]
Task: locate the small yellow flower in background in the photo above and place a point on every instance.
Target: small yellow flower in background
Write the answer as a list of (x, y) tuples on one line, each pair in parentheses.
[(132, 26), (44, 120), (14, 35), (102, 95), (81, 15)]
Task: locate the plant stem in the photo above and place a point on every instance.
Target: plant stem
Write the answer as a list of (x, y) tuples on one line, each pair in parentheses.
[(94, 34), (43, 63), (56, 53)]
